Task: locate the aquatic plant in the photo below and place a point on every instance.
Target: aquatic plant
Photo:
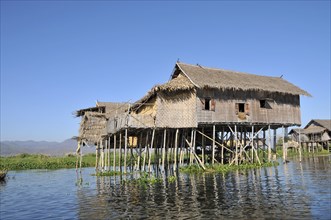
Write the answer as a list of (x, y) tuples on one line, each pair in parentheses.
[(107, 173), (40, 161), (219, 168)]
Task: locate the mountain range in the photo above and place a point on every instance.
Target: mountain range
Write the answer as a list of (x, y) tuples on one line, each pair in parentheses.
[(8, 148)]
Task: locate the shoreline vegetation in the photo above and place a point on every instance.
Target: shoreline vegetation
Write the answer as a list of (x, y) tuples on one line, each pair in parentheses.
[(40, 161)]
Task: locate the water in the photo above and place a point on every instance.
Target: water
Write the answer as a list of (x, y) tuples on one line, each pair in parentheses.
[(289, 191)]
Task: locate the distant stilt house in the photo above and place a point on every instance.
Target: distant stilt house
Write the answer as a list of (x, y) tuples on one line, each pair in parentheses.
[(206, 115), (316, 132)]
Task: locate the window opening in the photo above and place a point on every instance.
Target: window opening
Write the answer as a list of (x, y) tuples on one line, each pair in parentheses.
[(241, 107), (207, 104), (263, 104)]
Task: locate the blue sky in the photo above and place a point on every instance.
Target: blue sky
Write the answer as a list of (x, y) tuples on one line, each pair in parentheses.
[(57, 57)]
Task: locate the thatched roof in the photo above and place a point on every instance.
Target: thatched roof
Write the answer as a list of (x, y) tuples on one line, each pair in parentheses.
[(205, 77), (180, 83), (323, 123), (106, 109), (310, 130)]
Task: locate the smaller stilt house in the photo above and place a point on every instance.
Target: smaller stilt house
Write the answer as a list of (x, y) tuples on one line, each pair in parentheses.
[(316, 132), (93, 125)]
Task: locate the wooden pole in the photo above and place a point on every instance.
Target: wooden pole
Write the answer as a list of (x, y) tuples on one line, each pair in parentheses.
[(109, 153), (77, 154), (125, 148), (164, 147), (191, 152), (213, 152), (299, 146), (269, 144), (140, 150), (284, 154), (146, 150), (149, 158), (203, 146), (222, 141), (96, 156), (120, 153), (114, 160), (236, 142), (175, 153)]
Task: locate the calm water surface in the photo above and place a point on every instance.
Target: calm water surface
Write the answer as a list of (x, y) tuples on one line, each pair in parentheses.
[(290, 191)]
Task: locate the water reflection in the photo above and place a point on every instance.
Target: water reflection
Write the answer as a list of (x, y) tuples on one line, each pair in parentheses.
[(289, 191), (293, 190)]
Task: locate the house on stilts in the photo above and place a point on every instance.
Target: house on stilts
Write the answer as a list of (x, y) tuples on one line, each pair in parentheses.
[(202, 115), (315, 135)]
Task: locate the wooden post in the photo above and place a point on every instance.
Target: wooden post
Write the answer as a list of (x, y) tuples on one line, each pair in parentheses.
[(175, 152), (149, 157), (81, 157), (146, 150), (105, 155), (120, 153), (269, 144), (299, 146), (222, 141), (164, 147), (96, 156), (213, 152), (203, 146), (125, 148), (191, 152), (108, 153), (101, 156), (236, 143), (78, 152), (140, 150), (284, 150), (114, 160), (252, 144)]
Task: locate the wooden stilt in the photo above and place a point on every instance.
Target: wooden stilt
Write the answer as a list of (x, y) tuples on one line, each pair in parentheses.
[(203, 146), (284, 150), (140, 150), (164, 148), (125, 148), (120, 153), (108, 153), (191, 151), (149, 158), (96, 156), (114, 160), (105, 155), (175, 151), (299, 146), (222, 141), (269, 144), (236, 143), (77, 154), (146, 151), (213, 151)]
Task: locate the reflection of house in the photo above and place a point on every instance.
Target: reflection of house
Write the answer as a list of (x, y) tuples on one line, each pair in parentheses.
[(316, 131)]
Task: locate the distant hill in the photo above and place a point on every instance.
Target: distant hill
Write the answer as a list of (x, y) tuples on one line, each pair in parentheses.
[(41, 147)]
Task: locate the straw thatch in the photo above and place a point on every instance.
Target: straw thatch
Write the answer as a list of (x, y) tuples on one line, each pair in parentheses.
[(94, 120), (204, 77), (323, 123)]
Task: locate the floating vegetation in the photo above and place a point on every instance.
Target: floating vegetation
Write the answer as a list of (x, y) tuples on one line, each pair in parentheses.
[(40, 161), (107, 173), (219, 168)]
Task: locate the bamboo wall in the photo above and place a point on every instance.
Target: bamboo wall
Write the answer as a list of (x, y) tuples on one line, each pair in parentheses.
[(92, 126), (176, 110), (281, 109)]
